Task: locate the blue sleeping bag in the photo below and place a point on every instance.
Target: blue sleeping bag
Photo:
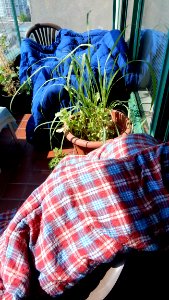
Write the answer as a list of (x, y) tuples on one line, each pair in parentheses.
[(39, 62)]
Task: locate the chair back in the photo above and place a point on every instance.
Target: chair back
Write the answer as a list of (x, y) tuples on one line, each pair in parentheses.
[(43, 33)]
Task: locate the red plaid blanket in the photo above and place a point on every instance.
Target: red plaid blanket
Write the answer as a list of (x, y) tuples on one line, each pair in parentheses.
[(88, 209), (5, 218)]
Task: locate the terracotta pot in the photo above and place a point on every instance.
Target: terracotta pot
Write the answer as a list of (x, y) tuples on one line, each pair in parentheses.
[(82, 147)]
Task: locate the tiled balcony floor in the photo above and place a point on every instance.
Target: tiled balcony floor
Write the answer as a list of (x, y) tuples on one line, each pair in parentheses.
[(23, 168)]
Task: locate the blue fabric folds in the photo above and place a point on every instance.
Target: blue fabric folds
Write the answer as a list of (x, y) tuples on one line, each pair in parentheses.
[(39, 62)]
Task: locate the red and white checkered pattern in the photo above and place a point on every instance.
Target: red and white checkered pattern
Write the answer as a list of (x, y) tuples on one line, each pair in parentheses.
[(5, 218), (89, 208)]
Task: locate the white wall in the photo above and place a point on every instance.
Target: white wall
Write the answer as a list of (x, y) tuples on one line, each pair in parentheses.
[(156, 15), (72, 14)]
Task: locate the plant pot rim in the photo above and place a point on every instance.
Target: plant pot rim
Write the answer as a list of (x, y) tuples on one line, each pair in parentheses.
[(96, 144), (83, 143)]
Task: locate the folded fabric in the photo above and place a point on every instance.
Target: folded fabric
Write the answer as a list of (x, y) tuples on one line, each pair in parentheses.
[(89, 208), (48, 76), (5, 218), (152, 50)]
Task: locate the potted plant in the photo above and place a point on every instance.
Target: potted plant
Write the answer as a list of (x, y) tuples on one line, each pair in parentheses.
[(92, 117), (115, 123), (9, 81), (95, 115), (9, 84), (90, 89)]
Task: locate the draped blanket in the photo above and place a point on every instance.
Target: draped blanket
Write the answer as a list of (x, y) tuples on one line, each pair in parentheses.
[(39, 62), (88, 209)]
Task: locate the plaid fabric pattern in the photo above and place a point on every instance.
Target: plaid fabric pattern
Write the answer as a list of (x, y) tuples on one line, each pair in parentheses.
[(5, 218), (89, 208)]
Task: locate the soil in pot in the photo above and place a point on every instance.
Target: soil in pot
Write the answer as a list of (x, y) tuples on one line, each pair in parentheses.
[(82, 147)]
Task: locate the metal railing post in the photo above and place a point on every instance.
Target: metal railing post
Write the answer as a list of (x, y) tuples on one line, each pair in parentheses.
[(160, 122), (124, 7), (135, 28), (15, 21), (116, 14)]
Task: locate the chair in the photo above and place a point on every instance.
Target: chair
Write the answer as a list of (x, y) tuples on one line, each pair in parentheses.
[(43, 33), (6, 119)]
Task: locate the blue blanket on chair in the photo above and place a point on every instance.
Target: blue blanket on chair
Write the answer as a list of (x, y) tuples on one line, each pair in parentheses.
[(39, 62)]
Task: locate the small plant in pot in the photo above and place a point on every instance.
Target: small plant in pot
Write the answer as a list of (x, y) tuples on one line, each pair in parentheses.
[(9, 81), (89, 88), (92, 118), (9, 84)]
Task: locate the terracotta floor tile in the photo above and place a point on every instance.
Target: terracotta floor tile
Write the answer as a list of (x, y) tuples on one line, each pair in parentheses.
[(21, 175), (22, 142), (21, 118), (20, 133), (41, 165), (26, 117), (23, 167), (14, 191), (4, 178), (9, 204), (10, 157), (33, 177), (39, 177), (50, 154), (22, 124), (28, 190), (5, 134)]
